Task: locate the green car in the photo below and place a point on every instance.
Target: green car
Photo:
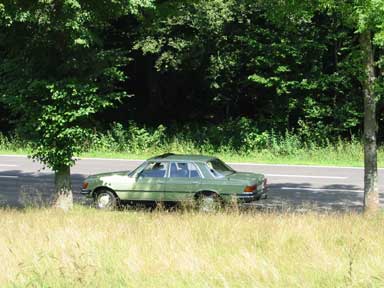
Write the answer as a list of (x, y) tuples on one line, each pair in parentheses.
[(206, 180)]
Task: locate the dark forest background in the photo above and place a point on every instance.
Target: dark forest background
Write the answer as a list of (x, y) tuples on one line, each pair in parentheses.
[(209, 63)]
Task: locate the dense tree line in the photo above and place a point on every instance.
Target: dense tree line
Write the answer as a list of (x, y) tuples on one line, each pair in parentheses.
[(295, 73), (199, 61), (68, 65)]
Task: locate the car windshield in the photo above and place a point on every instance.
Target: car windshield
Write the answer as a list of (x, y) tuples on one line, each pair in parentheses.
[(219, 169)]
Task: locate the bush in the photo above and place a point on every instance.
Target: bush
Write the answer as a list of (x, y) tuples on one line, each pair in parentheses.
[(236, 138), (13, 142), (131, 138)]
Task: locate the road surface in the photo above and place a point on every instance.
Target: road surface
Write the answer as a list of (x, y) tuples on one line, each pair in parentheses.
[(24, 182)]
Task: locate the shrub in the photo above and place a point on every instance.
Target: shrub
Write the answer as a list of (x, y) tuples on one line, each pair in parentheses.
[(238, 137)]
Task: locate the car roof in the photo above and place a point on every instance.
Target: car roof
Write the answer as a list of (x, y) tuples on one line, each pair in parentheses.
[(182, 157)]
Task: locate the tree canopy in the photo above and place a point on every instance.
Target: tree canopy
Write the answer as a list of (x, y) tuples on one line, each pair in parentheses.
[(59, 66), (286, 64)]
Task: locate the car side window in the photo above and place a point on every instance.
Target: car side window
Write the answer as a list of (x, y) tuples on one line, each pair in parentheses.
[(154, 170), (193, 172), (184, 170)]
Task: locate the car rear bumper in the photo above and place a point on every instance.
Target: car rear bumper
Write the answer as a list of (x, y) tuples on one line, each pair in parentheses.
[(249, 197), (86, 192)]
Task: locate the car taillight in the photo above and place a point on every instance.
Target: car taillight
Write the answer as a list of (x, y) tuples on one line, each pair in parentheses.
[(250, 189), (85, 185)]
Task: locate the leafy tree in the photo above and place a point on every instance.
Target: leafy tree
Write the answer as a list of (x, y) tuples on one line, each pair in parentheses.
[(57, 69), (370, 26), (366, 18), (258, 61)]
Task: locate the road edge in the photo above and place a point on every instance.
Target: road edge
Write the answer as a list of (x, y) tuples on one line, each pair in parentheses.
[(233, 163)]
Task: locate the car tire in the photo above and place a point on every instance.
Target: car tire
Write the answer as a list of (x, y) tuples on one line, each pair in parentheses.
[(208, 203), (106, 200)]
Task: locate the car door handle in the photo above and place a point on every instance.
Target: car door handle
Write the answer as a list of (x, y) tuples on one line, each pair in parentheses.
[(195, 182)]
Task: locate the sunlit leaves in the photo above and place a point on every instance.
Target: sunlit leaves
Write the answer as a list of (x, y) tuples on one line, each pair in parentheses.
[(57, 70)]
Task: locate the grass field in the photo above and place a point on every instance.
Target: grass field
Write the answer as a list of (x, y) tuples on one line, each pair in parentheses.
[(89, 248)]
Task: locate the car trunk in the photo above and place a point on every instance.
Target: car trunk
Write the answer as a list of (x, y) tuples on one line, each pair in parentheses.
[(246, 177)]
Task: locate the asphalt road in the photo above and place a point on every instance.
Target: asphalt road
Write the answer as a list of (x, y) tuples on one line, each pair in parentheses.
[(24, 182)]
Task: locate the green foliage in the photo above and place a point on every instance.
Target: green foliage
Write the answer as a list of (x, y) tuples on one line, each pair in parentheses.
[(270, 74), (58, 69), (13, 143), (264, 60), (290, 147), (238, 136), (131, 139)]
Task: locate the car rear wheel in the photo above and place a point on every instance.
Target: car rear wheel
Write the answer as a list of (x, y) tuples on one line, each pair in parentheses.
[(208, 203), (106, 200)]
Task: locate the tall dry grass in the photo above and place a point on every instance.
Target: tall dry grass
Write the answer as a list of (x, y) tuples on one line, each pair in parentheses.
[(89, 248)]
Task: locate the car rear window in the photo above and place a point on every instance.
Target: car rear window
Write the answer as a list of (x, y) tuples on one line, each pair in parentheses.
[(218, 168), (184, 170)]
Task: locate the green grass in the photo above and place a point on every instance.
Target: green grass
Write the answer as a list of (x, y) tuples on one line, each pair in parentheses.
[(15, 152), (346, 155), (90, 248), (232, 144)]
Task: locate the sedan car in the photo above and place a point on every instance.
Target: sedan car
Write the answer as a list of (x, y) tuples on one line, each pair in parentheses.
[(205, 180)]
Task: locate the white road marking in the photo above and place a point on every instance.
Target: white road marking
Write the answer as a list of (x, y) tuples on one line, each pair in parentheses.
[(8, 165), (321, 189), (6, 176), (235, 163), (305, 176), (17, 156), (295, 165), (231, 163), (110, 159)]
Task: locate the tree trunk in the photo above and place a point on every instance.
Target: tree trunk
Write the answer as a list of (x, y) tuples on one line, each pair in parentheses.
[(64, 198), (371, 192)]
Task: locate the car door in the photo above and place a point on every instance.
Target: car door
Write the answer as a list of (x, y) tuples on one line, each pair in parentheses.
[(183, 182), (149, 184)]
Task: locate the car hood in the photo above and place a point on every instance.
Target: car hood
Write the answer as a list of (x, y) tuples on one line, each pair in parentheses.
[(116, 173), (246, 176)]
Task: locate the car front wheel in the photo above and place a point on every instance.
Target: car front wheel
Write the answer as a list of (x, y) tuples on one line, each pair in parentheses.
[(106, 200)]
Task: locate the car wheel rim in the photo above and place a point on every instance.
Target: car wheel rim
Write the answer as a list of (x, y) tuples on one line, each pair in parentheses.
[(208, 204), (104, 200)]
